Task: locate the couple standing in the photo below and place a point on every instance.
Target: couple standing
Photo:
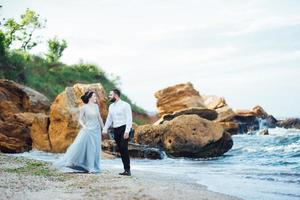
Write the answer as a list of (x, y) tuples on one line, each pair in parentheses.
[(83, 154)]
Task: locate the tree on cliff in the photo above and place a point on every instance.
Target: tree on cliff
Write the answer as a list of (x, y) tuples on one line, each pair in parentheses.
[(55, 49), (2, 40), (2, 44), (22, 33)]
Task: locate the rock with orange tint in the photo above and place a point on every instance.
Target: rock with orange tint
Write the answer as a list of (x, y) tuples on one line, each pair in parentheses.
[(16, 98), (257, 111), (151, 135), (245, 113), (186, 136), (15, 132), (214, 102), (25, 118), (260, 112), (225, 114), (64, 114), (39, 133), (19, 105), (176, 98), (80, 89), (14, 137), (230, 127)]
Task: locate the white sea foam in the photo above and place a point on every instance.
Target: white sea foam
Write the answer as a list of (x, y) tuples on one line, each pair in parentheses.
[(294, 147), (282, 131)]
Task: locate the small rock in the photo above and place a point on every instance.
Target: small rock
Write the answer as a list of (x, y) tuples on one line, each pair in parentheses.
[(263, 132)]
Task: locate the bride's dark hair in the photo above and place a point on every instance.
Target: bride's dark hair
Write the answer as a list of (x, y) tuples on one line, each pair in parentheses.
[(87, 95)]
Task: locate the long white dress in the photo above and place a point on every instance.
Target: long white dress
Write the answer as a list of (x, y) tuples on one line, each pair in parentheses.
[(84, 153)]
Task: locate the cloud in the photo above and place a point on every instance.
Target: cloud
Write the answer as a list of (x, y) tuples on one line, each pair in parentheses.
[(256, 25)]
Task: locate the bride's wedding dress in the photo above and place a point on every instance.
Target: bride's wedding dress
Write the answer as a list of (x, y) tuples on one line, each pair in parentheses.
[(84, 153)]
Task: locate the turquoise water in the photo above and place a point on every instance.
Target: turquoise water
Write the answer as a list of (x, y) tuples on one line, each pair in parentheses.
[(257, 167)]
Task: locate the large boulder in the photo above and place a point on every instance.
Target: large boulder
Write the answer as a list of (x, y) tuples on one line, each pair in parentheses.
[(19, 105), (186, 136), (64, 113), (176, 98)]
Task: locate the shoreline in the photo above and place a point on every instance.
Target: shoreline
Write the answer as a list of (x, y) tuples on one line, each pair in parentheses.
[(23, 178)]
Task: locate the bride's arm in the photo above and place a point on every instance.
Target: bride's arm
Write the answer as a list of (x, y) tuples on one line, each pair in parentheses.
[(81, 117), (100, 118)]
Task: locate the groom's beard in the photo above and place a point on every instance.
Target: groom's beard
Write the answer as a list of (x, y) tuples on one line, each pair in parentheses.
[(112, 100)]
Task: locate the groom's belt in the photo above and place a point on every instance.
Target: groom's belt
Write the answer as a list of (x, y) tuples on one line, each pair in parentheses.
[(120, 126)]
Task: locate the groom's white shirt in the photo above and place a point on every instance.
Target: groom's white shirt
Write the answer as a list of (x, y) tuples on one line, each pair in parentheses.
[(119, 114)]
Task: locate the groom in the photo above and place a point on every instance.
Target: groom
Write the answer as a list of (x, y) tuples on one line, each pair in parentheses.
[(120, 116)]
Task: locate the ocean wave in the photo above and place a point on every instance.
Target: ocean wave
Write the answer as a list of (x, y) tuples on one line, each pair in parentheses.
[(295, 147), (284, 142), (291, 148), (283, 131), (283, 177)]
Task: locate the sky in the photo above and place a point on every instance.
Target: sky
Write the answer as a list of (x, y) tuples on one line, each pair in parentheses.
[(245, 51)]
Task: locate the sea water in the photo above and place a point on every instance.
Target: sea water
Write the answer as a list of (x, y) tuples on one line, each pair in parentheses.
[(257, 167)]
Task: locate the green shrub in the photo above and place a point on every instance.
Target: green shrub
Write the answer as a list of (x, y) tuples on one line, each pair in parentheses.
[(51, 78)]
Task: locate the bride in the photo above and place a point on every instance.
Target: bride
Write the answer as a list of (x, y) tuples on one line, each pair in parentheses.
[(83, 155)]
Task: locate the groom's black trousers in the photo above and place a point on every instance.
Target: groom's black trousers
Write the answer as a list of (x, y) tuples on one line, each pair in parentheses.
[(122, 146)]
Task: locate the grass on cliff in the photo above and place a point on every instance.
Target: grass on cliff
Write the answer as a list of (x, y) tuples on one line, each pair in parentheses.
[(52, 78)]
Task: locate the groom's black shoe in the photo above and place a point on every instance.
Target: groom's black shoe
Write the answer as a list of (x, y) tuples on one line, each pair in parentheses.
[(125, 173)]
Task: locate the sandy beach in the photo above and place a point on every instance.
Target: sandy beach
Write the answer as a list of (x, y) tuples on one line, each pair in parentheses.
[(23, 178)]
